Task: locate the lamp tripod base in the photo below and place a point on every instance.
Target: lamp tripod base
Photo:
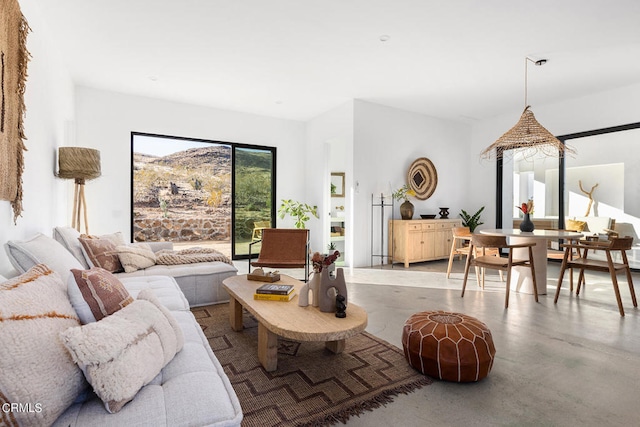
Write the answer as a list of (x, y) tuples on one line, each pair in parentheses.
[(79, 205)]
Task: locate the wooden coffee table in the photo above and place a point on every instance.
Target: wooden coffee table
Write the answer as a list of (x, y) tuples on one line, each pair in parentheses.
[(288, 320)]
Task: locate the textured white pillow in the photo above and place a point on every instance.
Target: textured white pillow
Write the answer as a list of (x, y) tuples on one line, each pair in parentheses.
[(36, 369), (136, 257), (68, 237), (41, 249), (123, 352)]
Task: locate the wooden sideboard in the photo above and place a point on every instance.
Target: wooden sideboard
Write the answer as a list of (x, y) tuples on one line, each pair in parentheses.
[(418, 240)]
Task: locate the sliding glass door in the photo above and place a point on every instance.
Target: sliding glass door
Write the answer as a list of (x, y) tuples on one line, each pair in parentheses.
[(254, 196), (201, 193)]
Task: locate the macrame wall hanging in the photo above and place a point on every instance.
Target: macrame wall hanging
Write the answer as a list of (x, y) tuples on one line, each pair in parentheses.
[(14, 57)]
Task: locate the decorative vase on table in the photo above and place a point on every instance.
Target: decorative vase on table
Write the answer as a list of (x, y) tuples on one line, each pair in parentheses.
[(406, 210), (526, 224)]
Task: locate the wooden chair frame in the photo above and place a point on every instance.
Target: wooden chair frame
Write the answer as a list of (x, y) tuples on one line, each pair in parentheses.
[(463, 234), (583, 262), (482, 242)]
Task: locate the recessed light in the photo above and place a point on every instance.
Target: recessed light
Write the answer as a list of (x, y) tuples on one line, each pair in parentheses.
[(153, 78), (385, 37), (279, 102)]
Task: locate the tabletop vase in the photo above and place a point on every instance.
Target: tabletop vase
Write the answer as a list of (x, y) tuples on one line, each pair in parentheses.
[(526, 224)]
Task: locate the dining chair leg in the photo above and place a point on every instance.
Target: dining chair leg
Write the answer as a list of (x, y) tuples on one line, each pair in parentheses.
[(506, 297), (580, 281), (629, 279), (451, 257), (563, 267), (464, 280), (533, 274), (614, 280)]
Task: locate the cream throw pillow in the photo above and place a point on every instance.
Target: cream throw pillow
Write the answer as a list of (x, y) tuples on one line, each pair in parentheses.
[(36, 370), (123, 352), (136, 257)]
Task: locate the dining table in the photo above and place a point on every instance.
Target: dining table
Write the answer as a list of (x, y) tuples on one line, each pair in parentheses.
[(521, 280)]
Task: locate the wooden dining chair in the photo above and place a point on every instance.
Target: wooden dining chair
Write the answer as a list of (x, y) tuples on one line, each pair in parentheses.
[(610, 248), (461, 236), (283, 248), (481, 243)]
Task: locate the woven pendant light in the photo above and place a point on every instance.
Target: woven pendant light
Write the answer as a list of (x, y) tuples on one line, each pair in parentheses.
[(527, 134)]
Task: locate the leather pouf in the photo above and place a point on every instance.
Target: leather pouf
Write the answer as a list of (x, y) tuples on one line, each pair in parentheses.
[(449, 346)]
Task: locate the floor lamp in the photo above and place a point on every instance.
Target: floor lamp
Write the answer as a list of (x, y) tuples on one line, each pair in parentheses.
[(80, 164)]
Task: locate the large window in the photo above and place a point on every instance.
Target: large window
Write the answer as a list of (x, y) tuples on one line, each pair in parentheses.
[(599, 185), (200, 193)]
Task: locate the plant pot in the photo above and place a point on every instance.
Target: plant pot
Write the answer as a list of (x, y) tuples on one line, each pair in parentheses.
[(406, 210), (526, 224)]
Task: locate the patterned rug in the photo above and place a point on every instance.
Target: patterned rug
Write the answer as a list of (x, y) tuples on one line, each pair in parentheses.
[(312, 386)]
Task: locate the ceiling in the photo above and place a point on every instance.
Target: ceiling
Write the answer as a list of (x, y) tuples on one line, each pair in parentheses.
[(458, 59)]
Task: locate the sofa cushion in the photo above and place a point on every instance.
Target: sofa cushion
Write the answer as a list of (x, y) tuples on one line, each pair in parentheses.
[(136, 257), (100, 251), (96, 293), (192, 387), (68, 237), (164, 288), (37, 370), (575, 225), (41, 249), (125, 351)]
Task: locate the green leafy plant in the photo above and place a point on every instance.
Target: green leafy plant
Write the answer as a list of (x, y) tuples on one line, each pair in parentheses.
[(471, 221), (299, 211)]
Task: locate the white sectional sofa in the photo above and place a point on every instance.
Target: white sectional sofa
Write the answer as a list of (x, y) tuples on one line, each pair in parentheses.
[(191, 390), (201, 283)]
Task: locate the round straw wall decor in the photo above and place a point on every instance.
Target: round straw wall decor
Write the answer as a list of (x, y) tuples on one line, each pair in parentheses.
[(422, 178)]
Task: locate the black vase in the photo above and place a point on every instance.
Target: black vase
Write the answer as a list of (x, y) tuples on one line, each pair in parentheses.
[(526, 224)]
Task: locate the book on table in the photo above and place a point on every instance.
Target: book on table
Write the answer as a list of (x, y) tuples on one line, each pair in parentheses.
[(274, 297), (274, 289)]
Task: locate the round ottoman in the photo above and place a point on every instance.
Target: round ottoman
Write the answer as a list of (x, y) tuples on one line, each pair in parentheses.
[(449, 346)]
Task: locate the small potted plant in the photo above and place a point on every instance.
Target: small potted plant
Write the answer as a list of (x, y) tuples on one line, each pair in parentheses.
[(471, 221), (406, 208)]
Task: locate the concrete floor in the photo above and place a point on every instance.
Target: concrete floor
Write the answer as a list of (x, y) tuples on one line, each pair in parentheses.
[(576, 363)]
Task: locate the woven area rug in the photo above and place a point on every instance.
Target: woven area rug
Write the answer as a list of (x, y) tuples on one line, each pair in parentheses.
[(312, 386)]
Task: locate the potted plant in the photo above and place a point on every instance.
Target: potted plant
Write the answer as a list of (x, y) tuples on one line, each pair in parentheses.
[(299, 211), (406, 208), (471, 221)]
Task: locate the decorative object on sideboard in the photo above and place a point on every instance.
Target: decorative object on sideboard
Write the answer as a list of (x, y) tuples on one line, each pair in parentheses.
[(13, 69), (527, 210), (471, 221), (422, 178), (428, 216), (80, 164), (527, 135), (406, 208), (444, 213)]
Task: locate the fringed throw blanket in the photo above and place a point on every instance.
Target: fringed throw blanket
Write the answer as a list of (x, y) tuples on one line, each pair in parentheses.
[(190, 256), (14, 57)]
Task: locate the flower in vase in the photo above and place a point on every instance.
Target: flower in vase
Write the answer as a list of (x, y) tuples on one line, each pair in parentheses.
[(526, 208), (320, 261), (404, 192)]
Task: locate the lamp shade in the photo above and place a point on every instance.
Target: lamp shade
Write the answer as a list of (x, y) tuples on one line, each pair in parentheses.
[(530, 135), (78, 163)]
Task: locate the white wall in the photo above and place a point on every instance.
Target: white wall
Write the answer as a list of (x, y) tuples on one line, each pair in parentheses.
[(49, 102), (329, 142), (106, 120), (386, 142), (596, 111)]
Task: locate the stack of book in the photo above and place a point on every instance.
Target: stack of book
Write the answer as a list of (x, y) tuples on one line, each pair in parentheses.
[(274, 292)]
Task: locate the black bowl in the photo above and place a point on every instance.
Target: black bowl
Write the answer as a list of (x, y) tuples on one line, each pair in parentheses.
[(427, 216)]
